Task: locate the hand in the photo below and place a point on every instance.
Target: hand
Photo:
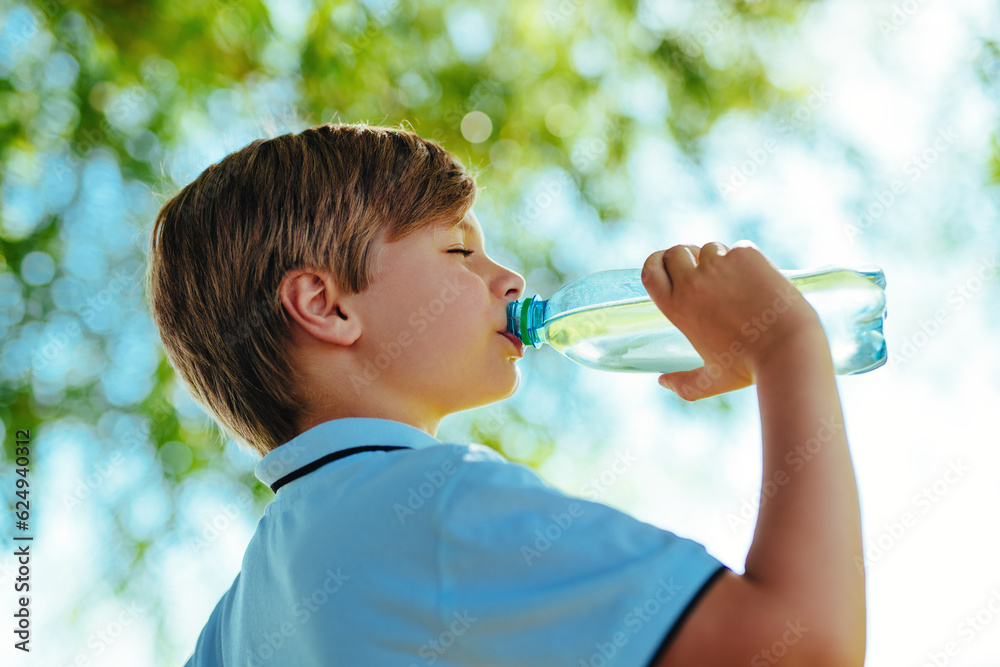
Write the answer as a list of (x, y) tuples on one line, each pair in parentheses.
[(735, 308)]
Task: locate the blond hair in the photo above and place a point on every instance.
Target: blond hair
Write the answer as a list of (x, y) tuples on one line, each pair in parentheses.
[(220, 247)]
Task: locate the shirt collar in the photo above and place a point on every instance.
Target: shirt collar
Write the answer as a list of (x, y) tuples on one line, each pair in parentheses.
[(334, 436)]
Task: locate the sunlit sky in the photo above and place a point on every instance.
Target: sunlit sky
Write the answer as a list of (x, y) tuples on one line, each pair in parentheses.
[(908, 102)]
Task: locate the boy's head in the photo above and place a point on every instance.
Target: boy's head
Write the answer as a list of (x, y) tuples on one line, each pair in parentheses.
[(316, 275)]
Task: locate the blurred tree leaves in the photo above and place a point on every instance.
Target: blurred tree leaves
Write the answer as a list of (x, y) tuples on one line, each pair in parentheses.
[(556, 84)]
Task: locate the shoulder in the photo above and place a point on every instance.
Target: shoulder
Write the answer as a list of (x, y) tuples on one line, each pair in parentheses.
[(463, 467), (490, 499), (436, 476), (484, 473), (548, 574)]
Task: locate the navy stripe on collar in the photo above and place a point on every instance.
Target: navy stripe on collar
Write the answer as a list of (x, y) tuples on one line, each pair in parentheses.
[(323, 460)]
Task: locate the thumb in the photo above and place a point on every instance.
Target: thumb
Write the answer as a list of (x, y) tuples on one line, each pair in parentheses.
[(684, 383), (698, 384)]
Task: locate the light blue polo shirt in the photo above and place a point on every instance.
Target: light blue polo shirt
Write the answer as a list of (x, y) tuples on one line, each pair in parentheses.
[(443, 554)]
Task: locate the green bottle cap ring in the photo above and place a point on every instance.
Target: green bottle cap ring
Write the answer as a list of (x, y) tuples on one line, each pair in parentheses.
[(524, 320)]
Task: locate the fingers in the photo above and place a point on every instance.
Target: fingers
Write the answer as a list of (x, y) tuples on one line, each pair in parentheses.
[(681, 261), (665, 268), (756, 251), (655, 277), (711, 251)]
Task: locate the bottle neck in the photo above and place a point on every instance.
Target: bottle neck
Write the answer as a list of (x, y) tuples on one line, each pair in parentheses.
[(525, 318)]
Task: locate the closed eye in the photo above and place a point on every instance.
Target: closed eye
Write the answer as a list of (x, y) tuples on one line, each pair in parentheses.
[(463, 251)]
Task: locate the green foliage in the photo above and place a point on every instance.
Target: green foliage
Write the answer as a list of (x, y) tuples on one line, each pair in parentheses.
[(563, 84)]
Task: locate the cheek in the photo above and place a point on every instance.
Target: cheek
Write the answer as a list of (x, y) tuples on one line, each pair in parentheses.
[(471, 305), (436, 314), (399, 313), (461, 309)]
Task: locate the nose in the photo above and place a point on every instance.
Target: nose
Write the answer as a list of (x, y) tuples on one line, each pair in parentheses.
[(511, 284)]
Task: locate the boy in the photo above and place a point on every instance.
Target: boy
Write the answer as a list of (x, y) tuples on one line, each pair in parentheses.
[(328, 298)]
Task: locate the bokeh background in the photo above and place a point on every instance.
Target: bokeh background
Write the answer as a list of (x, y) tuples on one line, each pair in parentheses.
[(829, 133)]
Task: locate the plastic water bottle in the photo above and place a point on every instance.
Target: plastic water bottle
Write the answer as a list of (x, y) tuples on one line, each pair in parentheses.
[(607, 321)]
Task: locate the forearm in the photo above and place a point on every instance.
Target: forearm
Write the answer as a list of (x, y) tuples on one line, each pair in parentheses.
[(807, 546)]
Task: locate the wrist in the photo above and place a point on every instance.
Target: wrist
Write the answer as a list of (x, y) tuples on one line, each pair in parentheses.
[(808, 345)]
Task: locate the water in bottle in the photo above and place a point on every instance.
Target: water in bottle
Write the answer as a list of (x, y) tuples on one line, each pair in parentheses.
[(607, 321)]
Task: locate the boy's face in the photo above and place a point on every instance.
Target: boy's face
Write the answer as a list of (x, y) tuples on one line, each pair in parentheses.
[(433, 321)]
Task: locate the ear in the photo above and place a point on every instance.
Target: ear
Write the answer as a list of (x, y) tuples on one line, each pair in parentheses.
[(313, 300)]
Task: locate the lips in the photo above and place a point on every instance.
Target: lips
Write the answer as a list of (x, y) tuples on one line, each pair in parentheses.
[(515, 341)]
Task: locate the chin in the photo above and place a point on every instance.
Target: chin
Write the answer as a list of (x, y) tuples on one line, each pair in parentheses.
[(503, 388), (513, 386), (517, 381)]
